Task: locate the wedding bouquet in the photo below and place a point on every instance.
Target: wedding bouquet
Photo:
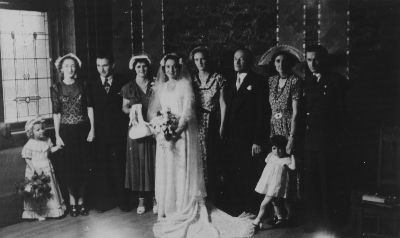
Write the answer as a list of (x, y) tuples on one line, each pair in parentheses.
[(36, 189), (165, 122)]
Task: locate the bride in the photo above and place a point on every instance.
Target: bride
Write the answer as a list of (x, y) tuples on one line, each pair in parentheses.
[(179, 189)]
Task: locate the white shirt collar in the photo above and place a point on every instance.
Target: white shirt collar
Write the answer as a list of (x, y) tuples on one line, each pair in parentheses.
[(318, 75), (110, 79), (242, 75)]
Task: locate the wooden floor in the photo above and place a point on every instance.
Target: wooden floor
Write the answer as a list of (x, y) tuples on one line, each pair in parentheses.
[(113, 224)]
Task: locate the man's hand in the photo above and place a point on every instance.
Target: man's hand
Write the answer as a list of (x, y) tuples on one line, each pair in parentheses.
[(255, 150)]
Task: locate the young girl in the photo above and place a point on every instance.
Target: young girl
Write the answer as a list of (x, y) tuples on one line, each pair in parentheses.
[(35, 153), (274, 180)]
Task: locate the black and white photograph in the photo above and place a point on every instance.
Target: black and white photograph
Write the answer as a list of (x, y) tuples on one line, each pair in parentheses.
[(200, 118)]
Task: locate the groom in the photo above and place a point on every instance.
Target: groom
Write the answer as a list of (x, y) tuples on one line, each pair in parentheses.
[(248, 130), (111, 126)]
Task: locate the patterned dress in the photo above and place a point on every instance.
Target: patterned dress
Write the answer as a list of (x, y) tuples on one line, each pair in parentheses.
[(140, 155), (208, 94), (281, 104), (71, 101)]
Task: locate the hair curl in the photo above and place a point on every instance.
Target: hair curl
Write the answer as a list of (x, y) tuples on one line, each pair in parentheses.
[(29, 133)]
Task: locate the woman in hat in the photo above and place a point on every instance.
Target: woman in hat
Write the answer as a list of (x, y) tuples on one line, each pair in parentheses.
[(210, 91), (74, 128), (140, 162), (284, 96)]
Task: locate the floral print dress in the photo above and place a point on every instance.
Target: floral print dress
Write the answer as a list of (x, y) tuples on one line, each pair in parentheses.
[(208, 94), (281, 104)]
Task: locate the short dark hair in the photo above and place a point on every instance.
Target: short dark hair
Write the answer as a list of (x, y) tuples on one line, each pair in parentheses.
[(292, 59), (249, 54), (173, 57), (103, 55), (322, 51), (204, 51), (59, 66), (141, 61), (278, 141)]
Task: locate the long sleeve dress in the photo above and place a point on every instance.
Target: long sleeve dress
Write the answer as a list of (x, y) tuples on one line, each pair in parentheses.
[(180, 190)]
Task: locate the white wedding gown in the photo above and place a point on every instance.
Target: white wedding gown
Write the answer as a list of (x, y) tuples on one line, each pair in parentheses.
[(179, 188)]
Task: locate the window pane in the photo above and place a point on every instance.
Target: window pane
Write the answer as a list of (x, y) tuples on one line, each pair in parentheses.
[(25, 65)]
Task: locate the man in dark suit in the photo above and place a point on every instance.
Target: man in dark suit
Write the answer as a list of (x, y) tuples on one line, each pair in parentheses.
[(325, 96), (247, 121), (111, 132)]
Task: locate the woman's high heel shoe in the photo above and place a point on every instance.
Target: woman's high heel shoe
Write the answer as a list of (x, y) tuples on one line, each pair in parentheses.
[(74, 211)]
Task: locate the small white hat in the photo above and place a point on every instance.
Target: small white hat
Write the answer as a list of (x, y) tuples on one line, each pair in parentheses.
[(139, 56), (68, 55)]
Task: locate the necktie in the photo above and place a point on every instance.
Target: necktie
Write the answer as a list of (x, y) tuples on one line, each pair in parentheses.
[(238, 82), (315, 79), (107, 85)]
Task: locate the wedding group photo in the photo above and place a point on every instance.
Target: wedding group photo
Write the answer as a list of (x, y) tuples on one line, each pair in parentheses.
[(200, 118)]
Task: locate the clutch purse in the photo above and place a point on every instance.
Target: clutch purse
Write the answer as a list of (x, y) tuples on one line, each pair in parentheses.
[(140, 129)]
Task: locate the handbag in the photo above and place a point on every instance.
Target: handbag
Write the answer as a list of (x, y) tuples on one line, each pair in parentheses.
[(139, 129)]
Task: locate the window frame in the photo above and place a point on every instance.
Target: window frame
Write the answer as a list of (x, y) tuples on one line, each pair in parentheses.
[(50, 8)]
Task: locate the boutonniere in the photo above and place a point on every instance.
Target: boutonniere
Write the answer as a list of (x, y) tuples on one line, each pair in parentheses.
[(249, 87)]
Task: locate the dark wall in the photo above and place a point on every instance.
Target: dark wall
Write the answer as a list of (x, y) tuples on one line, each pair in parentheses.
[(374, 98), (222, 25)]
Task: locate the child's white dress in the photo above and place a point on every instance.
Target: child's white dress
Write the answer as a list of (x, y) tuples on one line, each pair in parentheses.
[(274, 180), (38, 152)]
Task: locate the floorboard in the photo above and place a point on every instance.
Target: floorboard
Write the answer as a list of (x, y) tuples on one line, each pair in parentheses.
[(113, 224)]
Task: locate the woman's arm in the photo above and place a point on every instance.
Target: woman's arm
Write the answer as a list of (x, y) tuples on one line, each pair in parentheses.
[(293, 126), (222, 105), (90, 137), (57, 121), (292, 164), (126, 106)]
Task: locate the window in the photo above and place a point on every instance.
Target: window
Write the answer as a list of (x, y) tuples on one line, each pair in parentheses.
[(25, 65)]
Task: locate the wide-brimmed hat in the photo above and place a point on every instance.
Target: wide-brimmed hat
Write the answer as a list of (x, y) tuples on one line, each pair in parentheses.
[(58, 61), (201, 47), (267, 57), (139, 56)]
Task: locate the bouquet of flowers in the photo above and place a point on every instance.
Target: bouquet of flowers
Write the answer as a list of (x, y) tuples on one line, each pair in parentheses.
[(165, 122), (36, 189)]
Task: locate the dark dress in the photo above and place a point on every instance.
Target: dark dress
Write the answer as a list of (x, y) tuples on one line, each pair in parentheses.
[(282, 111), (71, 101), (208, 94), (140, 155)]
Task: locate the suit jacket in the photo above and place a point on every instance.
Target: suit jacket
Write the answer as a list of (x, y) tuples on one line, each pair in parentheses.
[(110, 122), (248, 111), (325, 110)]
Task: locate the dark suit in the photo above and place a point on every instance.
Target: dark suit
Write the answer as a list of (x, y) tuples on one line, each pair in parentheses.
[(110, 135), (325, 110), (248, 124)]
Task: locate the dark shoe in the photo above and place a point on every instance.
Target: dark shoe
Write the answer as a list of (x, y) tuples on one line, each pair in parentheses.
[(309, 229), (83, 210), (257, 228), (280, 223), (126, 208), (272, 220), (73, 211), (101, 210)]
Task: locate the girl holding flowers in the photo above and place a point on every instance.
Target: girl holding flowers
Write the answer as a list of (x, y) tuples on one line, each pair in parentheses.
[(35, 153)]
